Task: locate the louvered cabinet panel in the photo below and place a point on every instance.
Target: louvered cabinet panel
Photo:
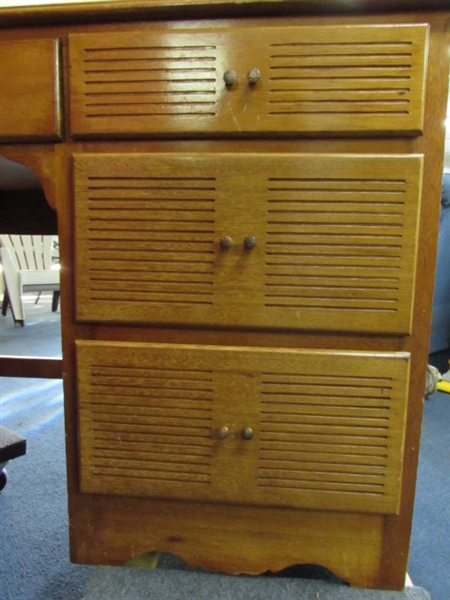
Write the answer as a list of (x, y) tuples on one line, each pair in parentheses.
[(144, 425), (335, 240), (327, 426), (320, 79)]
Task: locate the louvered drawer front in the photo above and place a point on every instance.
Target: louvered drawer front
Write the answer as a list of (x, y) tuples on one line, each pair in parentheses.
[(326, 79), (327, 427), (335, 240)]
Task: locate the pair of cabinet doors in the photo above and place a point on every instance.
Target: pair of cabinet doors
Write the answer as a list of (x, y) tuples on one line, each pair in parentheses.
[(261, 426), (164, 239)]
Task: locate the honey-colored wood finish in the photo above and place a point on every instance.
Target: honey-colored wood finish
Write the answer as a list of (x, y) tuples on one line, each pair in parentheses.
[(311, 80), (327, 428), (29, 77), (149, 231), (144, 371)]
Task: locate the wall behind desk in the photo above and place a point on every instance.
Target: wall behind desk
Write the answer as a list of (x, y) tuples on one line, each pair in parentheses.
[(440, 325)]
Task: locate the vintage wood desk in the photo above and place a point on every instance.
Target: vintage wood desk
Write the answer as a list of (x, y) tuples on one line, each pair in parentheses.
[(247, 197)]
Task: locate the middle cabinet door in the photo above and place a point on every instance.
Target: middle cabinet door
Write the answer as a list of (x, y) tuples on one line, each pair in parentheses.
[(293, 241)]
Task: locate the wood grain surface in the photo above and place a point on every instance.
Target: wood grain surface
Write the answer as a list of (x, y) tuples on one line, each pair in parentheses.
[(29, 77)]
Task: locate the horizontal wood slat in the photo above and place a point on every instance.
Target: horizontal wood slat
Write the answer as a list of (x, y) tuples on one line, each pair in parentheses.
[(27, 366)]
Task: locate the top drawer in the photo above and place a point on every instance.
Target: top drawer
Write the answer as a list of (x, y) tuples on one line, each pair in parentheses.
[(29, 84), (313, 80)]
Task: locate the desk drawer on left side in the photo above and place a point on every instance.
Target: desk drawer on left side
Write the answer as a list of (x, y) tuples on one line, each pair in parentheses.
[(29, 83)]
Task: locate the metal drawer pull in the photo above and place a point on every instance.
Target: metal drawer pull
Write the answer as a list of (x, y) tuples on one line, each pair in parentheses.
[(253, 76), (223, 433), (230, 77), (226, 242), (247, 433), (250, 242)]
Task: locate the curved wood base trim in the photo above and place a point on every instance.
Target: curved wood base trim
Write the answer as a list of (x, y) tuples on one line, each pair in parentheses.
[(231, 539), (40, 159)]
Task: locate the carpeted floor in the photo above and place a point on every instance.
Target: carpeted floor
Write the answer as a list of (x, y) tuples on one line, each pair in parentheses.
[(429, 560), (34, 560)]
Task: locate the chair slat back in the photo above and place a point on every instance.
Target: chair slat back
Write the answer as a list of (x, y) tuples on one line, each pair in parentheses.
[(29, 252)]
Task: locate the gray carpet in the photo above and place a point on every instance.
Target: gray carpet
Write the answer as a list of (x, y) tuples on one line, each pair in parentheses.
[(34, 541), (171, 584), (41, 335)]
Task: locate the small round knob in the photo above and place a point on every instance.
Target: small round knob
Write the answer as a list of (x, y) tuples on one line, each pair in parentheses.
[(223, 432), (226, 242), (250, 242), (230, 77), (247, 433), (253, 76)]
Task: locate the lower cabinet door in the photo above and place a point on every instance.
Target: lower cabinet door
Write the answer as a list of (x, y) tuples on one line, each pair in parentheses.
[(297, 428)]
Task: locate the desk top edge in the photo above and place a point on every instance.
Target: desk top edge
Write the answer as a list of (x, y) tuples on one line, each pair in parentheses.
[(125, 10)]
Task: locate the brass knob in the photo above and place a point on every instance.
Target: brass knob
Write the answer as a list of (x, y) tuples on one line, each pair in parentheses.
[(223, 433), (226, 242), (247, 433), (230, 77), (253, 76), (250, 242)]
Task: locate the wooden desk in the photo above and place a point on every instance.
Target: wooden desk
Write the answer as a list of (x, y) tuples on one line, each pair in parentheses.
[(247, 199)]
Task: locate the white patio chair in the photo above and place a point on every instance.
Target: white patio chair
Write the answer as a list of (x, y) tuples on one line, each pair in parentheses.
[(28, 267)]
